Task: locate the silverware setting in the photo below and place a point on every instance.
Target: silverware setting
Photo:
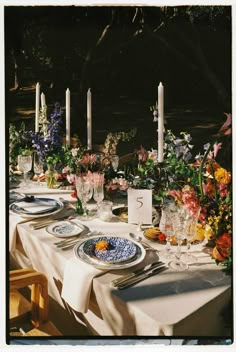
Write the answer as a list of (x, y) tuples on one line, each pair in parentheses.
[(43, 223), (137, 272), (140, 277)]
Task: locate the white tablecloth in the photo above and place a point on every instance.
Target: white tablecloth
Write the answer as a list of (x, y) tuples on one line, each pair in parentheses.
[(184, 304)]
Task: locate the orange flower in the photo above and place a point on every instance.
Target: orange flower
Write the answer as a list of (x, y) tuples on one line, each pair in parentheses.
[(222, 249), (224, 240), (222, 176)]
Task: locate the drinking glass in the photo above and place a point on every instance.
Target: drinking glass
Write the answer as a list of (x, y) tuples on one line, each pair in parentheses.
[(115, 162), (84, 187), (38, 167), (191, 230), (98, 188), (180, 223), (25, 164), (167, 227)]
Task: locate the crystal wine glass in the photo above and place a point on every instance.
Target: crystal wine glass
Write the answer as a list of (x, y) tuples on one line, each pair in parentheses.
[(25, 164), (180, 222), (191, 230), (167, 227), (98, 188), (84, 187), (115, 162), (38, 167)]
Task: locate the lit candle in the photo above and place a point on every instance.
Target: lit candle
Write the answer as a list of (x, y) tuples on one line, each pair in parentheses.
[(89, 119), (160, 122), (37, 102), (43, 101), (67, 116)]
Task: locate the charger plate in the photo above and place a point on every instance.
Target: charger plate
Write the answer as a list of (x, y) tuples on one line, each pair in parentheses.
[(54, 206), (136, 259)]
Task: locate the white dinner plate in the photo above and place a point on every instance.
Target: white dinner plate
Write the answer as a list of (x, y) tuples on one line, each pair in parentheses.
[(138, 258), (64, 228), (43, 207)]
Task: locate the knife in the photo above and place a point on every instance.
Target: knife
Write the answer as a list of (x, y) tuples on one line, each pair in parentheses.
[(136, 273), (142, 277)]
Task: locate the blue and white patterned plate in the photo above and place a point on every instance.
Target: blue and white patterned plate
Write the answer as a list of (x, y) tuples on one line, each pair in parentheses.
[(64, 228), (119, 249), (138, 258)]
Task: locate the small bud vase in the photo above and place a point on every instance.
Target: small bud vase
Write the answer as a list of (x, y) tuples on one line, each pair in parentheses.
[(51, 176)]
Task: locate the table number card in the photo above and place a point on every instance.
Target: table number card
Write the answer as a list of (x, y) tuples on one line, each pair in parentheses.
[(139, 206)]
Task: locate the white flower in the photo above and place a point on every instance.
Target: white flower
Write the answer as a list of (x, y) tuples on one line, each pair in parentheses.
[(74, 151)]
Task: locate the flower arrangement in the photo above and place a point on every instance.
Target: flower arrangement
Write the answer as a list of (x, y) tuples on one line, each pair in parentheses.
[(112, 140), (48, 142), (212, 193)]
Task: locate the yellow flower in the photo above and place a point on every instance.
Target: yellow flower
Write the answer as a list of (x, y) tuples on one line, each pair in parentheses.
[(222, 176)]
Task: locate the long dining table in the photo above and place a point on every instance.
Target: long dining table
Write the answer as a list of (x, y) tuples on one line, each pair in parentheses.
[(170, 303)]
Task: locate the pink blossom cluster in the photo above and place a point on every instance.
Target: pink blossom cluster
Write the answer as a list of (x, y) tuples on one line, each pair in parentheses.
[(188, 197), (117, 183)]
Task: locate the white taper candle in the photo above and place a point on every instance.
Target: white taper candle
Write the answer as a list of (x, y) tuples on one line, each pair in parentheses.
[(43, 100), (37, 102), (89, 119), (67, 116), (160, 123)]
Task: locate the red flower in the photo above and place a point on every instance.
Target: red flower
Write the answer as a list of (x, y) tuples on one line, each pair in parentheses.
[(224, 241), (222, 249), (161, 237)]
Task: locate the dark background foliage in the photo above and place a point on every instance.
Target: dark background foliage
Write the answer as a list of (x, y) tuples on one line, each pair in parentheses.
[(121, 53)]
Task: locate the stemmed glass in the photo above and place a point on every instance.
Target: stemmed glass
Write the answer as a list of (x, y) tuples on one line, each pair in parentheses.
[(180, 222), (98, 188), (84, 187), (38, 167), (115, 162), (190, 233), (166, 226), (25, 164)]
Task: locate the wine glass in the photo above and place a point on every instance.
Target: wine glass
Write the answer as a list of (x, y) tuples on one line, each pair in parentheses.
[(190, 233), (180, 223), (25, 164), (98, 188), (84, 187), (115, 162), (38, 167), (166, 226)]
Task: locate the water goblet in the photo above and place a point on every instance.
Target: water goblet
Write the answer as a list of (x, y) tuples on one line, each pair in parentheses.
[(25, 164), (115, 162), (84, 187), (38, 167), (180, 222), (167, 227), (190, 233), (98, 188)]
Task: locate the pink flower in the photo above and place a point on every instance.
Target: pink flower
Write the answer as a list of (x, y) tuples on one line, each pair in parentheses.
[(142, 154), (71, 178), (217, 147)]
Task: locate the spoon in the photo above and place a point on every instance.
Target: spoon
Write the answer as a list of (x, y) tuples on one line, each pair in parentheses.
[(135, 237), (139, 239)]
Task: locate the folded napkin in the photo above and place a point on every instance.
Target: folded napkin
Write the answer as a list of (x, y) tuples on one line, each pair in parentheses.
[(36, 207), (77, 284)]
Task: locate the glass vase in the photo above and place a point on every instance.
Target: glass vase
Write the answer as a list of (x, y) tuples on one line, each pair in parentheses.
[(51, 176)]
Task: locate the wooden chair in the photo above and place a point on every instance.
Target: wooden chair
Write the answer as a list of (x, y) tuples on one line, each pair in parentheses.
[(35, 312)]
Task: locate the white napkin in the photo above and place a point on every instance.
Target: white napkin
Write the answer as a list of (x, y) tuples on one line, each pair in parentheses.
[(77, 284), (35, 207), (14, 220)]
